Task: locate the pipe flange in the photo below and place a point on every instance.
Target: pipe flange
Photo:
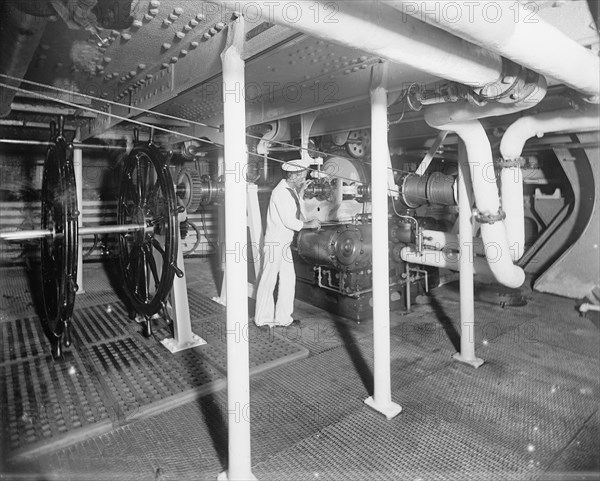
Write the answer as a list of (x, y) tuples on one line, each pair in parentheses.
[(489, 218), (515, 84), (508, 163)]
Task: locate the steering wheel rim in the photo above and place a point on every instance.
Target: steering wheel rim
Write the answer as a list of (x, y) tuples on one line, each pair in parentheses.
[(147, 196)]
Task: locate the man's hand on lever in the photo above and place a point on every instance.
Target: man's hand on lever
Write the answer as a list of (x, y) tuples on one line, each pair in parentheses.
[(313, 224)]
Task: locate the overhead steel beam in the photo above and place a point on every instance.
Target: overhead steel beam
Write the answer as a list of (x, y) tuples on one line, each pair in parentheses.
[(379, 29)]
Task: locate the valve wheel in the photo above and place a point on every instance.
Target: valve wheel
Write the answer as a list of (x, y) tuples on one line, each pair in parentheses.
[(59, 251), (189, 189), (148, 257)]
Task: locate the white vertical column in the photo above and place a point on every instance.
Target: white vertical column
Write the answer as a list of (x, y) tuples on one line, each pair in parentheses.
[(465, 239), (382, 398), (78, 168), (183, 337), (236, 270)]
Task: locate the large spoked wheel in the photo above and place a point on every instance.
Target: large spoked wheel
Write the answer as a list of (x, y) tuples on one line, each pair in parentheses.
[(148, 256), (59, 251)]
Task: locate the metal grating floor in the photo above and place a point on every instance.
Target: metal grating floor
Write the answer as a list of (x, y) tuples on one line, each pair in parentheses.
[(530, 412), (112, 373)]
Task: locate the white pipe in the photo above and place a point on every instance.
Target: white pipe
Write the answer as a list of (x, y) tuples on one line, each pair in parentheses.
[(567, 120), (381, 30), (515, 32), (382, 396), (439, 240), (512, 185), (511, 148), (445, 260), (236, 270), (479, 155)]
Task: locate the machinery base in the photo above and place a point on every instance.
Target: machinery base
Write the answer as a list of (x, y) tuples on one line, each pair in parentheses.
[(355, 308)]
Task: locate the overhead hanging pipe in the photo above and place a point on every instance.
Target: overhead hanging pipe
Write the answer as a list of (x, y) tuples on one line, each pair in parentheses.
[(381, 30), (511, 177), (511, 30)]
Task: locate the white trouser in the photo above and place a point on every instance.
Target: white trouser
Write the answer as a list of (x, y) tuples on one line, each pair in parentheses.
[(277, 260)]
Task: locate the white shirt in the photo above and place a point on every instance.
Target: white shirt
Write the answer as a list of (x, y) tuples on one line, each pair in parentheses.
[(282, 216)]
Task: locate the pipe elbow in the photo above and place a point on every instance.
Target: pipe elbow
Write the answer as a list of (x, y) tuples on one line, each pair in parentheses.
[(499, 256), (566, 120)]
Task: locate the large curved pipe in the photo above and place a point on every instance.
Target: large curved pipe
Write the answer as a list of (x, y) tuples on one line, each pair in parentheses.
[(567, 120), (511, 30), (511, 148), (481, 166), (381, 30)]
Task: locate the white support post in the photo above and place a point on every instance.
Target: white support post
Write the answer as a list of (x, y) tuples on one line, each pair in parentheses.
[(254, 223), (183, 337), (465, 239), (382, 398), (78, 168), (238, 353)]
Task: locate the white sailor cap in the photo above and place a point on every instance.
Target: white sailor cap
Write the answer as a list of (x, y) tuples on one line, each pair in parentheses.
[(296, 165)]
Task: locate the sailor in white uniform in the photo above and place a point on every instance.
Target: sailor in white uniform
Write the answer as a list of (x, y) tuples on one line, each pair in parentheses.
[(284, 217)]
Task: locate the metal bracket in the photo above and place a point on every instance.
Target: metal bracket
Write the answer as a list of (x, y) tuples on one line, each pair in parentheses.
[(509, 163), (489, 218)]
